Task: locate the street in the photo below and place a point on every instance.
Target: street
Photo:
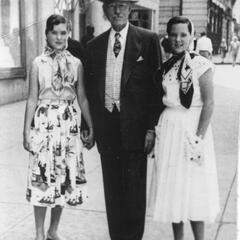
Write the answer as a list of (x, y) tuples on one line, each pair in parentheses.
[(88, 222)]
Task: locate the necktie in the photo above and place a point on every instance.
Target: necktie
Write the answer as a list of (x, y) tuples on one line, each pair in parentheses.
[(117, 44)]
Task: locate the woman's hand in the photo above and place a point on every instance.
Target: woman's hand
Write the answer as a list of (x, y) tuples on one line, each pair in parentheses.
[(194, 148), (26, 141), (87, 137)]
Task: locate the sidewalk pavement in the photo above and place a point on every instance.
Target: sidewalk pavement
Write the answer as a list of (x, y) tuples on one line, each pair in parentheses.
[(227, 60), (88, 222)]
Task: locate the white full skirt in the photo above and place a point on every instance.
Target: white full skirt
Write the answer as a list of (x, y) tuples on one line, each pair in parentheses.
[(181, 189)]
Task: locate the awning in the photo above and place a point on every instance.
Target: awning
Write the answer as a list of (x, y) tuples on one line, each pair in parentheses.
[(61, 5), (220, 4)]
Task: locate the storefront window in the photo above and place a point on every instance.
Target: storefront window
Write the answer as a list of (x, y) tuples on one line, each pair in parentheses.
[(11, 47), (141, 18)]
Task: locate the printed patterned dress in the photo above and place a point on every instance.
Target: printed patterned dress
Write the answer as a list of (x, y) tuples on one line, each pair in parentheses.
[(182, 189), (56, 168)]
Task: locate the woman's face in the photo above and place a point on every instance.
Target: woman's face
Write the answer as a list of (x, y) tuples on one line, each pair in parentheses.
[(179, 38), (57, 37)]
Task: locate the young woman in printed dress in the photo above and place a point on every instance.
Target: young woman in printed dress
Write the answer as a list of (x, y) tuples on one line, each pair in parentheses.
[(51, 129), (185, 176)]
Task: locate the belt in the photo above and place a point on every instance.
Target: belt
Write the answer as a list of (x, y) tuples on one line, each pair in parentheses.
[(55, 101)]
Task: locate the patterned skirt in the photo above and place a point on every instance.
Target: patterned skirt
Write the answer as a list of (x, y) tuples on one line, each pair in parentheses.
[(56, 168)]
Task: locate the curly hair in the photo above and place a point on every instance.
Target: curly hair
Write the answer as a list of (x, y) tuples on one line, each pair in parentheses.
[(177, 20), (53, 20)]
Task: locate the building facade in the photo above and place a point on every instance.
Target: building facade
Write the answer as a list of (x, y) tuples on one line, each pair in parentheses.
[(22, 37), (220, 22), (236, 15), (22, 25), (144, 14), (211, 16)]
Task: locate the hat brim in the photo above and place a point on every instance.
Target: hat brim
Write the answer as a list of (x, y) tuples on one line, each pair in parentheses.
[(109, 1)]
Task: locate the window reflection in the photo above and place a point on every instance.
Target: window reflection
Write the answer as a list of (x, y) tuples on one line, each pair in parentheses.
[(9, 34), (141, 18)]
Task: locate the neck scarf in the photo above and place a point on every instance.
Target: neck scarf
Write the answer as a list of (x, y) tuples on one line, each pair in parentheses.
[(184, 76), (64, 73)]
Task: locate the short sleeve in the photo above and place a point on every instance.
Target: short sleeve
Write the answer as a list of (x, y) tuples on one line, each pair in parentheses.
[(201, 65)]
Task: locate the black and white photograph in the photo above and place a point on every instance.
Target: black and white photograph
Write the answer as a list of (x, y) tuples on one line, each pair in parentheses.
[(119, 119)]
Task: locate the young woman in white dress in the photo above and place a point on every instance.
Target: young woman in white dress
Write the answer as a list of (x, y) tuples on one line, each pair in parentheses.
[(185, 176)]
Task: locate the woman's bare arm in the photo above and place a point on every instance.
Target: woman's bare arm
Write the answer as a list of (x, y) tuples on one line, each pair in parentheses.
[(207, 94), (31, 103)]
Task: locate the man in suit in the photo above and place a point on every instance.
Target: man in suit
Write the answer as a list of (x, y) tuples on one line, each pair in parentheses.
[(121, 64), (89, 35), (74, 46)]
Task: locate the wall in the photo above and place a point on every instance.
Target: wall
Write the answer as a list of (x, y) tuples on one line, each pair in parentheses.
[(167, 9), (197, 12), (95, 15), (76, 24), (35, 15), (154, 6)]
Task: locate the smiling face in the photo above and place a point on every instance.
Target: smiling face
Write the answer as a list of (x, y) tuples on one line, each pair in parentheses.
[(57, 37), (179, 37), (117, 13)]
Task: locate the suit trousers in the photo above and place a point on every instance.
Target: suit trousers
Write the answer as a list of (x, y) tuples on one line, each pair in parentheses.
[(124, 178)]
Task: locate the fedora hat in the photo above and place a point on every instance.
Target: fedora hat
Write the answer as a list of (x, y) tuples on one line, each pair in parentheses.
[(112, 1)]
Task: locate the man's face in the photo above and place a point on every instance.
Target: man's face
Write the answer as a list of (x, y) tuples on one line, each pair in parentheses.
[(117, 13)]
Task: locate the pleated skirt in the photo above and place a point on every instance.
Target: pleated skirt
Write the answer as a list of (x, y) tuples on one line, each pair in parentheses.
[(181, 189)]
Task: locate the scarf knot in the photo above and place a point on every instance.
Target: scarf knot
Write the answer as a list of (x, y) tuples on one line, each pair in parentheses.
[(63, 74), (184, 76)]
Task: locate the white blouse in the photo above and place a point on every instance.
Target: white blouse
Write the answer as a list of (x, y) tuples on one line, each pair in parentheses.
[(170, 82)]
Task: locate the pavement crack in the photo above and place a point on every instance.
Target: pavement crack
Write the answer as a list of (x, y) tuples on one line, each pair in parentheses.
[(221, 223), (6, 232)]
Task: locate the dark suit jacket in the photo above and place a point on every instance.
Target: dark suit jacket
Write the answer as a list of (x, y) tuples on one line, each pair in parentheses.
[(139, 100), (76, 49)]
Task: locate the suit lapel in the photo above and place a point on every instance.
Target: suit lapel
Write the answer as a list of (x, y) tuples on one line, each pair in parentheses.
[(101, 58), (132, 51)]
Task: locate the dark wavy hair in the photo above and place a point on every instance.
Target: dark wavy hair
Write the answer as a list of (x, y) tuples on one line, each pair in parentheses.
[(53, 20), (177, 20)]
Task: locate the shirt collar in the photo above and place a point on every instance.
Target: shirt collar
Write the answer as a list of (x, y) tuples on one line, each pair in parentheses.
[(123, 33)]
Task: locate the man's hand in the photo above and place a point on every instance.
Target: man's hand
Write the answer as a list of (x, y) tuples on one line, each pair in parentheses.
[(149, 141), (87, 138)]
